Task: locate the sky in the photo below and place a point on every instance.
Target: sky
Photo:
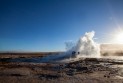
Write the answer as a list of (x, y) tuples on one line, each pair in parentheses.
[(45, 25)]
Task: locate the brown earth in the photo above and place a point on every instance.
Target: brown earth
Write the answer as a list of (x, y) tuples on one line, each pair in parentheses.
[(88, 70), (25, 55)]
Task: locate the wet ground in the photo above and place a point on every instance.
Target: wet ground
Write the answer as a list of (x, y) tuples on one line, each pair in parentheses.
[(84, 70)]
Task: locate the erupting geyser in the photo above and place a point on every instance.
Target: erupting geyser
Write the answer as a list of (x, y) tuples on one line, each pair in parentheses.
[(86, 46)]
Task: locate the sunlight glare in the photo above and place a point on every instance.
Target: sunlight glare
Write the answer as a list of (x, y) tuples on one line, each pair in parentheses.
[(119, 38)]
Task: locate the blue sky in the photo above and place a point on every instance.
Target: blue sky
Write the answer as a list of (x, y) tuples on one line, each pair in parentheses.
[(45, 25)]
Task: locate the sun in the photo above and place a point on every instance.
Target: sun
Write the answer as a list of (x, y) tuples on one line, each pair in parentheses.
[(119, 38)]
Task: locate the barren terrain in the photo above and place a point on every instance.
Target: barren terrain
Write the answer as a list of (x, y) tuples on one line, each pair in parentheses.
[(86, 70)]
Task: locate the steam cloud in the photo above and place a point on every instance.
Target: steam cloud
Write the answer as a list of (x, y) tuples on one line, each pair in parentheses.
[(85, 47)]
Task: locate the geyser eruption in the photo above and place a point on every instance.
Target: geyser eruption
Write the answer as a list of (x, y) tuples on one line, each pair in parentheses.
[(86, 46)]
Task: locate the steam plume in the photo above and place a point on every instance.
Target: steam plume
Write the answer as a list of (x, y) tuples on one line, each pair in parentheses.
[(85, 47)]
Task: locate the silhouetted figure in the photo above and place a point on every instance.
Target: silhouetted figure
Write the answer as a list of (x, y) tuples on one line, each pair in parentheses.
[(73, 53)]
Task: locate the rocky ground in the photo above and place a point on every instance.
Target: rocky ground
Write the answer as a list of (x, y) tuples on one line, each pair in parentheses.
[(88, 70)]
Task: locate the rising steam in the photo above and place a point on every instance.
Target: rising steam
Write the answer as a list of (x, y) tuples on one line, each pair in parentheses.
[(85, 47)]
